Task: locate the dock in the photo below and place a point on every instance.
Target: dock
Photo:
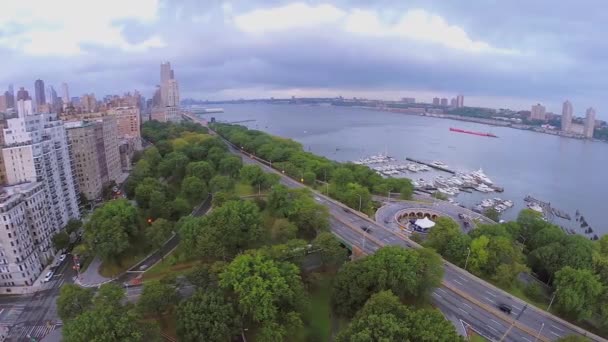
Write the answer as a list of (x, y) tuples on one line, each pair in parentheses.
[(547, 208), (431, 165)]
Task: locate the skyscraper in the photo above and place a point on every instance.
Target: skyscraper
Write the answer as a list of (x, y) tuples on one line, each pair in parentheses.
[(24, 108), (65, 94), (165, 72), (589, 122), (436, 101), (444, 102), (460, 101), (23, 94), (566, 116), (39, 92), (538, 112)]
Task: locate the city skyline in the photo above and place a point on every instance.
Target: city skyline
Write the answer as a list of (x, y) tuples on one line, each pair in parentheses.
[(426, 47)]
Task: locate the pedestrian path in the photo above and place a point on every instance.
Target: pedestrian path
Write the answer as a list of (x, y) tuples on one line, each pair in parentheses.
[(10, 313), (91, 277), (36, 332)]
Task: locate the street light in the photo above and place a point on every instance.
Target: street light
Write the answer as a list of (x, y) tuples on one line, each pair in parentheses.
[(539, 331), (467, 260), (551, 301), (360, 199)]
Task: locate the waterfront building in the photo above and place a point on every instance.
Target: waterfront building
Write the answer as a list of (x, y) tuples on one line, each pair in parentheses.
[(566, 116), (25, 239), (95, 154), (453, 102), (460, 101), (538, 112), (39, 92), (444, 102), (36, 150), (436, 101), (589, 122), (408, 100)]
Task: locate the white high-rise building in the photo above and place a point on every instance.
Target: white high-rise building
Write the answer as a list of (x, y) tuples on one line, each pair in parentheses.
[(589, 122), (24, 108), (460, 101), (36, 149), (25, 237), (171, 93), (566, 116), (65, 94), (538, 112)]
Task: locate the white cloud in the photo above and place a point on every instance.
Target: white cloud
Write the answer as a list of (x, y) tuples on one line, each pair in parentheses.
[(293, 16), (415, 24), (61, 27)]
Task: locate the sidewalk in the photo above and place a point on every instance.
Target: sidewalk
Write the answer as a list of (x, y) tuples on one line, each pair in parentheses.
[(91, 277)]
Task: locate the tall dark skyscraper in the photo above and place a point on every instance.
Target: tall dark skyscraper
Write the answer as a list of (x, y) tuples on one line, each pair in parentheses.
[(39, 92), (23, 94), (10, 97)]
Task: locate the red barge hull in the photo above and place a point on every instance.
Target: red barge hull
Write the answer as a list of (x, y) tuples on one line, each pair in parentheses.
[(458, 130)]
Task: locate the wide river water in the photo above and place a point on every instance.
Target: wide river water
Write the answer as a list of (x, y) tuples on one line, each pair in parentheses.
[(568, 173)]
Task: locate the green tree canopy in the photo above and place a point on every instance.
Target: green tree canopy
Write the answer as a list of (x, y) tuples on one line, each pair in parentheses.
[(200, 169), (111, 228), (577, 292), (61, 240), (231, 166), (332, 253), (157, 298), (207, 316), (221, 183), (157, 233), (173, 165), (194, 190), (73, 300)]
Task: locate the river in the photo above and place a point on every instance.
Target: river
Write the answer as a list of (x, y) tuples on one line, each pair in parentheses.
[(568, 173)]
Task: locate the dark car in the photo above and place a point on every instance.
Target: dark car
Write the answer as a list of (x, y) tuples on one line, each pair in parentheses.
[(366, 229), (505, 308), (346, 210)]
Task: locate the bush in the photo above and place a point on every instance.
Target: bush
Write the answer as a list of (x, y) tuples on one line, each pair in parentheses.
[(534, 292)]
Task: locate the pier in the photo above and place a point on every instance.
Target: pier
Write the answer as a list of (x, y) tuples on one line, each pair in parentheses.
[(549, 211), (431, 165)]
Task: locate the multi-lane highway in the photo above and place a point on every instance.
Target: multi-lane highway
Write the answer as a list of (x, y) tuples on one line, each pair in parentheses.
[(462, 294)]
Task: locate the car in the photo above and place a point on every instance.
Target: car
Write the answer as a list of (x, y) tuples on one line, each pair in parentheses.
[(366, 229), (62, 257), (48, 276), (505, 308), (346, 210)]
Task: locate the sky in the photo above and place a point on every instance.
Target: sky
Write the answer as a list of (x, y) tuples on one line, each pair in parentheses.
[(499, 54)]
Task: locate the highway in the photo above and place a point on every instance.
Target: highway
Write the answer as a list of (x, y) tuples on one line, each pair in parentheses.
[(464, 295)]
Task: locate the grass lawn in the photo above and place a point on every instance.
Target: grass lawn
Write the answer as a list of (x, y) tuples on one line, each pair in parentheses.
[(111, 269), (474, 337), (243, 189), (318, 318), (169, 266)]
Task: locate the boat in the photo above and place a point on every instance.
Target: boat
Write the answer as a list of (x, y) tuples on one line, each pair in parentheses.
[(508, 203), (483, 188), (458, 130), (535, 207), (480, 176)]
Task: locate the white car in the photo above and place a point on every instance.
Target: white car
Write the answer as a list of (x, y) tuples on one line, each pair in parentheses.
[(62, 257), (48, 276)]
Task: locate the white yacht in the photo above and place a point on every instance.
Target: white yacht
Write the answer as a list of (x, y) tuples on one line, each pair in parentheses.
[(483, 188), (480, 176), (439, 164), (508, 203)]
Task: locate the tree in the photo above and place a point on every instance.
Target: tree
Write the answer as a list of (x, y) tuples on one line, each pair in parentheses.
[(144, 191), (157, 298), (231, 166), (158, 205), (456, 249), (220, 198), (355, 196), (173, 165), (282, 230), (193, 190), (492, 214), (266, 290), (331, 252), (573, 338), (152, 156), (478, 257), (342, 176), (430, 270), (110, 229), (207, 316), (105, 324), (201, 169), (235, 225), (577, 291), (72, 226), (205, 276), (279, 200), (253, 175), (310, 217), (444, 231), (73, 300), (110, 295), (384, 318), (309, 178), (61, 240), (178, 208), (221, 183), (158, 232)]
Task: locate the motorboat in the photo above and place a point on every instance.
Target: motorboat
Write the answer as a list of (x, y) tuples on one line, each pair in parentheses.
[(439, 164), (483, 188), (480, 176)]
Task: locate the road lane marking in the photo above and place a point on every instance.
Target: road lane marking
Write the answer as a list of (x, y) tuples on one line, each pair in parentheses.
[(526, 339), (457, 282), (491, 327), (553, 326), (463, 310), (496, 322), (556, 334), (490, 293), (436, 294), (488, 299), (463, 278), (438, 289), (467, 305)]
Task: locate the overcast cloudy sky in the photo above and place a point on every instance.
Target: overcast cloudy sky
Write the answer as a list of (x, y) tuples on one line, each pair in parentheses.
[(497, 53)]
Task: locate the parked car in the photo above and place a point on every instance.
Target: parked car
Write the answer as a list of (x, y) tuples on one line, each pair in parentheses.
[(62, 257), (48, 276)]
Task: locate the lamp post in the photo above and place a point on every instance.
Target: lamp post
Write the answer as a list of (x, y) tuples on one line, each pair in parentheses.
[(360, 199), (539, 331), (551, 301), (467, 260)]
